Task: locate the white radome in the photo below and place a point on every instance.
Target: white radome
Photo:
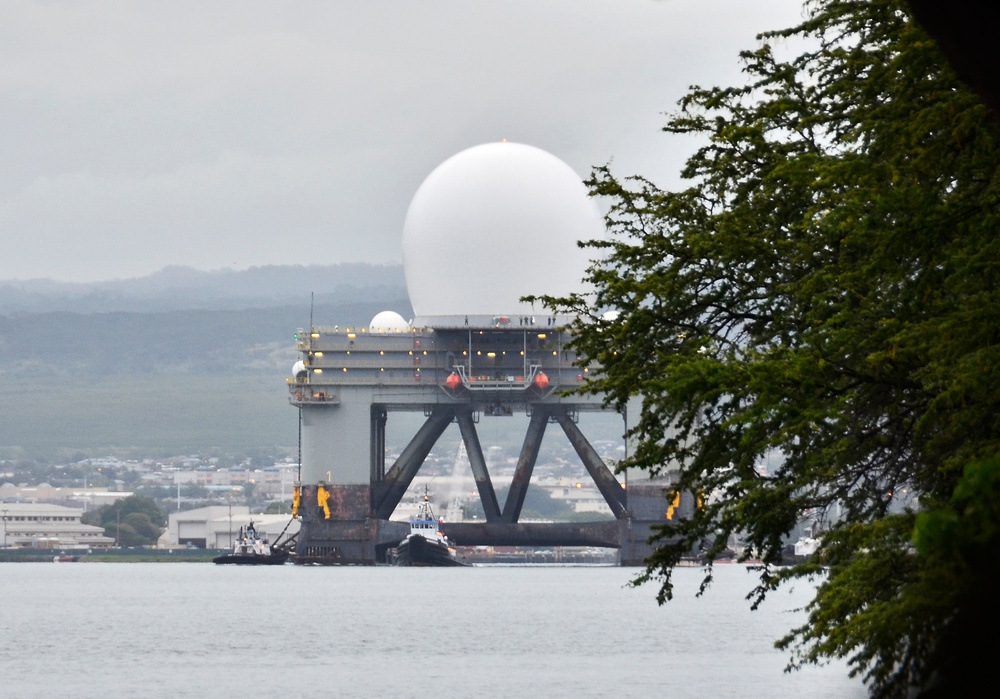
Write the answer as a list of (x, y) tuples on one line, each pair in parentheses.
[(387, 322), (494, 223)]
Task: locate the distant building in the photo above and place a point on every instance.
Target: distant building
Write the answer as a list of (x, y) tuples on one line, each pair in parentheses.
[(37, 525), (90, 498), (215, 526)]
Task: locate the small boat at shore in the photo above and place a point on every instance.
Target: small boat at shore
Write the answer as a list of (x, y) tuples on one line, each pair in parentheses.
[(251, 548), (426, 545)]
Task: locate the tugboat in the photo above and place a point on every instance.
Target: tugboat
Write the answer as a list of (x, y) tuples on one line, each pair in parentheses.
[(252, 549), (426, 545)]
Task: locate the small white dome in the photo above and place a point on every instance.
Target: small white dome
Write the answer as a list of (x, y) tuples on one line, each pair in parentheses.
[(299, 370), (492, 224), (388, 322)]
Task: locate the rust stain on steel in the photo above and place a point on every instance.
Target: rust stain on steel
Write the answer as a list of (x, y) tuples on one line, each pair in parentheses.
[(346, 502), (349, 502)]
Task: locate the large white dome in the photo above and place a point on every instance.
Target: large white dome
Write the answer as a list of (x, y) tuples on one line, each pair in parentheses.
[(492, 224)]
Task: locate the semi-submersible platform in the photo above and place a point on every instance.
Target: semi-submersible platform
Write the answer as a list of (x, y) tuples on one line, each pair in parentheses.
[(487, 227)]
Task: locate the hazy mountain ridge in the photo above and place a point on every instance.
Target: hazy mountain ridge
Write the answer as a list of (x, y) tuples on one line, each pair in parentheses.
[(182, 288), (95, 345), (175, 361)]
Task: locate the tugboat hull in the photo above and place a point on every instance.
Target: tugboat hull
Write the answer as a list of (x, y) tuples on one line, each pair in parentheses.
[(251, 549), (416, 550), (251, 559)]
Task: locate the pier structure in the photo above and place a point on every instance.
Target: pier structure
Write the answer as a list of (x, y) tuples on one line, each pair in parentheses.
[(487, 227)]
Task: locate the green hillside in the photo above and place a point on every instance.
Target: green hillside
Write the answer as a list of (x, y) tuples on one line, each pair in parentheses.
[(147, 384), (156, 415)]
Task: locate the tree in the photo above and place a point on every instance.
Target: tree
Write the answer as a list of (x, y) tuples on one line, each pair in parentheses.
[(964, 31), (133, 521), (278, 507), (825, 291)]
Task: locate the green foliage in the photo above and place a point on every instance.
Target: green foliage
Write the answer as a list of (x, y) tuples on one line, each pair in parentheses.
[(921, 595), (826, 291), (133, 521), (277, 507)]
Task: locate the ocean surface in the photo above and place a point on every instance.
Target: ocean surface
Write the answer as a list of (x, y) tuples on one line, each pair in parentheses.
[(175, 630)]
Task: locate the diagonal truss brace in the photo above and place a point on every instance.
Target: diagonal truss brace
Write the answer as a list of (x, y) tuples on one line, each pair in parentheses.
[(487, 495), (388, 492), (525, 465), (604, 479)]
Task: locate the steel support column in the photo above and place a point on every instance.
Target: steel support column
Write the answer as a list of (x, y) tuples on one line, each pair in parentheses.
[(377, 435), (487, 495)]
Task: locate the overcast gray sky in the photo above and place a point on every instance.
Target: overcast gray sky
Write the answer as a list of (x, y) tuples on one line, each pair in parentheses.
[(136, 135)]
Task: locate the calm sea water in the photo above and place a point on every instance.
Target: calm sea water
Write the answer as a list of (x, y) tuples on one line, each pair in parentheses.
[(196, 630)]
